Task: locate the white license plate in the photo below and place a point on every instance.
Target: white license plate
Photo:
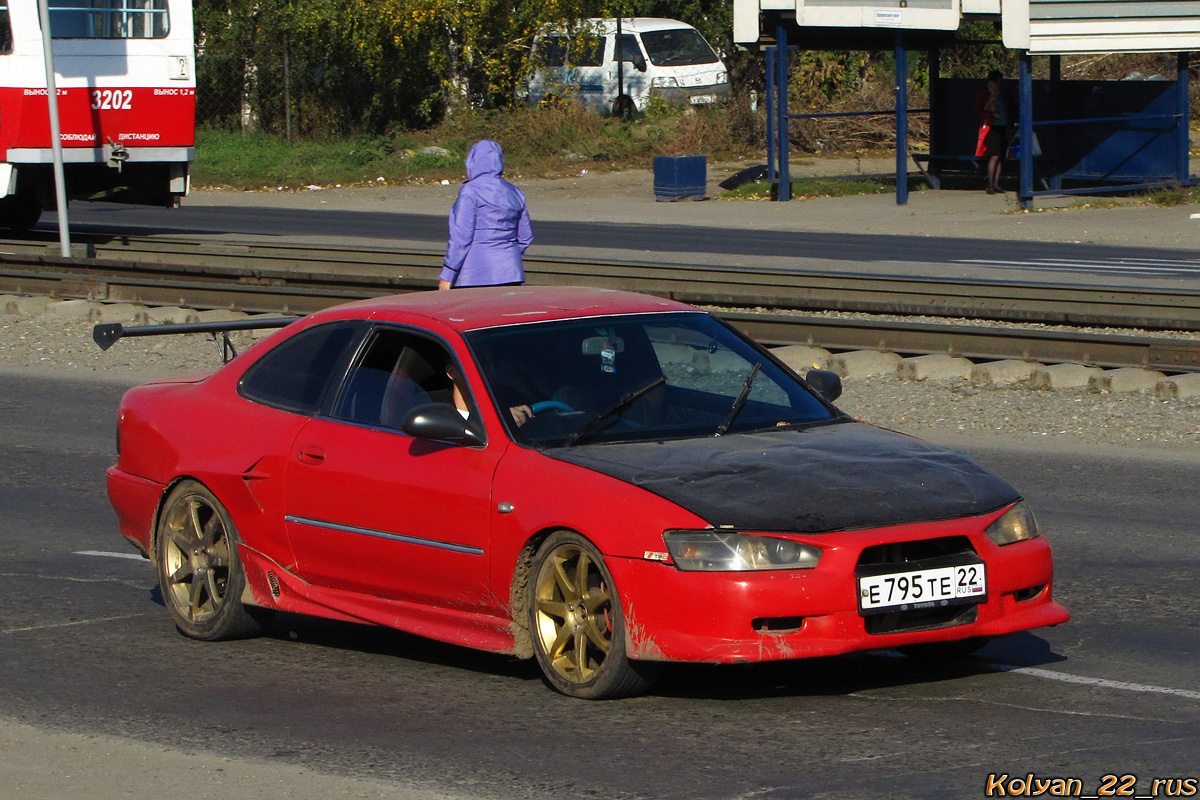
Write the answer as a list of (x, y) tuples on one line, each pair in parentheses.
[(704, 99), (924, 588)]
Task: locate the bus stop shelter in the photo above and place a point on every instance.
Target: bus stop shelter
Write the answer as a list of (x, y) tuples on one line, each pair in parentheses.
[(1090, 136)]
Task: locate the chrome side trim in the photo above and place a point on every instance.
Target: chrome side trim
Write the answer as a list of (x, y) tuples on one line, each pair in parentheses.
[(395, 537)]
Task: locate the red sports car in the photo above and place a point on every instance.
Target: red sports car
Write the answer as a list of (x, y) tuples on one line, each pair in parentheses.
[(601, 480)]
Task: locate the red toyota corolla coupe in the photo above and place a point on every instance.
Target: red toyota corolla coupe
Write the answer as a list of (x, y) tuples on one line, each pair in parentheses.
[(600, 480)]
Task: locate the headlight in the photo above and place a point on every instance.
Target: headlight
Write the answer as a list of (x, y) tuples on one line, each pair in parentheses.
[(722, 77), (1015, 526), (660, 82), (717, 551)]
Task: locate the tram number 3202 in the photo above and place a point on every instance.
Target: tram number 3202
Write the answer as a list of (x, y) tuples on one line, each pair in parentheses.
[(112, 99)]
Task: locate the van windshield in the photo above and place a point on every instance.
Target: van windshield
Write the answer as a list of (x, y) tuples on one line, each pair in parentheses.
[(677, 48)]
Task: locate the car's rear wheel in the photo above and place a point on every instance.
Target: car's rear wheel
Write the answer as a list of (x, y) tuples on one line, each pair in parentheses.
[(198, 567), (577, 625)]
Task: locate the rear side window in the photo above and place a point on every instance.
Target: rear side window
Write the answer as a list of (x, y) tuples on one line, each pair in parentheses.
[(552, 51), (108, 19), (295, 374), (586, 50)]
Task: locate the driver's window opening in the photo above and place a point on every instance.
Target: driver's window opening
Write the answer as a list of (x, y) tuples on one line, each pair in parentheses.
[(397, 372)]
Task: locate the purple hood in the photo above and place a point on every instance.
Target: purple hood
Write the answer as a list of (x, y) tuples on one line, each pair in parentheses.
[(485, 158)]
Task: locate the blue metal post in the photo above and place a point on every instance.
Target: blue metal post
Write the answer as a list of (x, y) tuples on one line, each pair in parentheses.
[(1183, 168), (901, 121), (781, 86), (1025, 102), (772, 170)]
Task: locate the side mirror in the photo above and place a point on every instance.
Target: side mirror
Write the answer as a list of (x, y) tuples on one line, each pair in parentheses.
[(442, 423), (639, 63), (825, 383)]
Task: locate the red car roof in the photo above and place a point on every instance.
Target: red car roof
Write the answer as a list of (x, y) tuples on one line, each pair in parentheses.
[(492, 306)]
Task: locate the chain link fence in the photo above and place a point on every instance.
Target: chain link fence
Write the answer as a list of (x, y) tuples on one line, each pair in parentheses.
[(245, 89), (277, 90)]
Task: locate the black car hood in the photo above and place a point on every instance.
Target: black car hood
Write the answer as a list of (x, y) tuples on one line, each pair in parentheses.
[(813, 480)]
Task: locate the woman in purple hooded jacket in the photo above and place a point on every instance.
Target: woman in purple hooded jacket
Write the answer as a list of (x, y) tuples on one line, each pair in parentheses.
[(489, 225)]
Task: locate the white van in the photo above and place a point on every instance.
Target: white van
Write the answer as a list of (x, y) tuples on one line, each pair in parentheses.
[(661, 58)]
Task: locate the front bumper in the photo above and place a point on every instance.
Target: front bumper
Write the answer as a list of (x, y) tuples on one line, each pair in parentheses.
[(691, 95), (731, 617)]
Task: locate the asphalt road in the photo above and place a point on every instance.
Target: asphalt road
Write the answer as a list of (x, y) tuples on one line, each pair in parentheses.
[(86, 647)]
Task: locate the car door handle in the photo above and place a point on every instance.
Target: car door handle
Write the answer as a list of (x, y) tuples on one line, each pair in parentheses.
[(310, 454)]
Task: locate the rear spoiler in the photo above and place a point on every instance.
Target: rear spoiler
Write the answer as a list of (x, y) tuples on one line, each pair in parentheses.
[(106, 335)]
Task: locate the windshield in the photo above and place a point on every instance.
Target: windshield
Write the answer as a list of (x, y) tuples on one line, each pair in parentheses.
[(677, 48), (636, 378)]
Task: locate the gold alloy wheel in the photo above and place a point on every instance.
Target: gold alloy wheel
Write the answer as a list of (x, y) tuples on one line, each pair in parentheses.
[(196, 557), (573, 613)]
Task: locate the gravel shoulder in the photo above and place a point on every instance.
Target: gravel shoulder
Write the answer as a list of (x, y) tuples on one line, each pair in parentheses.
[(954, 411)]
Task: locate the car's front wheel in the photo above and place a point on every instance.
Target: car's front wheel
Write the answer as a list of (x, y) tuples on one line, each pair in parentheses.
[(577, 624), (199, 571)]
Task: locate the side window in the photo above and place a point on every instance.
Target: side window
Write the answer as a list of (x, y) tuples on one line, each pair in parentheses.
[(552, 51), (397, 371), (588, 52), (628, 49), (295, 374), (108, 19), (6, 40)]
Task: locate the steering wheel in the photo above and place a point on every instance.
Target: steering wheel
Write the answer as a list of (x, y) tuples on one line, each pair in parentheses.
[(551, 405)]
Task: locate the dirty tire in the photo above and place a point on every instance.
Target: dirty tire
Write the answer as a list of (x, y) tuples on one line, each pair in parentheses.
[(19, 212), (576, 623), (199, 571), (624, 107)]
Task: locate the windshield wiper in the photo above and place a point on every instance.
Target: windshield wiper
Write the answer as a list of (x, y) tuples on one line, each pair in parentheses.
[(593, 425), (740, 402)]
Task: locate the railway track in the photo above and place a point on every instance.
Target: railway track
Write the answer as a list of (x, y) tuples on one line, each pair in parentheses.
[(262, 278)]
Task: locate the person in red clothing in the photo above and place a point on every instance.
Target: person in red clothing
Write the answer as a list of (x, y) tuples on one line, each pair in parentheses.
[(996, 111)]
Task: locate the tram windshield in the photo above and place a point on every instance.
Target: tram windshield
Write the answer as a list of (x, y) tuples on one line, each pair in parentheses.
[(108, 19)]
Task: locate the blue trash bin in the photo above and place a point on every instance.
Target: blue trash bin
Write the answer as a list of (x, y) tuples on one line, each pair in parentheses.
[(677, 177)]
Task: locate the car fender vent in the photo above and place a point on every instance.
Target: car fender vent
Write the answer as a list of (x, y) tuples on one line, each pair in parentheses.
[(274, 582), (1024, 595)]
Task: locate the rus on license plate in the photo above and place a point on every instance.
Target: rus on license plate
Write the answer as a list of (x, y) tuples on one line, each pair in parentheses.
[(924, 588), (702, 99)]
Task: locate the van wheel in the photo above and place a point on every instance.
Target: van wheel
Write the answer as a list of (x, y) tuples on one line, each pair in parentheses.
[(624, 107)]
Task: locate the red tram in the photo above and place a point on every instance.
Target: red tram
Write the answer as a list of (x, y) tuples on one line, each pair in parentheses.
[(125, 74)]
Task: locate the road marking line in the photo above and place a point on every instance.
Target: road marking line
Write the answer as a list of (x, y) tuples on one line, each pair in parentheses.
[(70, 624), (1102, 682), (104, 554)]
